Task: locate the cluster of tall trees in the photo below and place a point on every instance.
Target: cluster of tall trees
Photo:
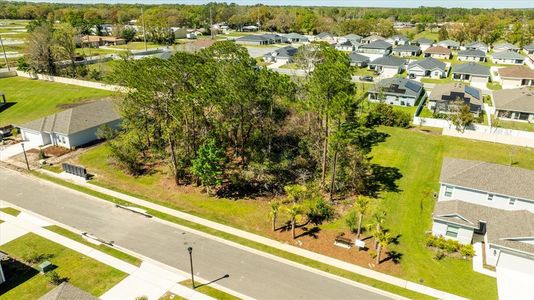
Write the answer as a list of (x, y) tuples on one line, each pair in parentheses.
[(218, 120), (276, 18)]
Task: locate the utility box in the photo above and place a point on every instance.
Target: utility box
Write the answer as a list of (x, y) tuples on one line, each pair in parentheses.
[(46, 266)]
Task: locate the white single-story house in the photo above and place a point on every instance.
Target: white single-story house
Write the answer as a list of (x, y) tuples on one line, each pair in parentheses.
[(471, 72), (492, 205), (529, 49), (73, 127), (449, 97), (347, 45), (388, 66), (476, 46), (515, 104), (296, 38), (449, 44), (505, 47), (406, 50), (516, 77), (428, 67), (396, 91), (472, 55), (398, 40), (378, 48), (283, 55), (438, 52), (372, 38), (261, 39), (350, 37), (508, 57), (423, 43), (326, 37), (358, 60)]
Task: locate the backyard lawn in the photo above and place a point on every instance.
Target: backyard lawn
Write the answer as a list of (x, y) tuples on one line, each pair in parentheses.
[(30, 99), (516, 125), (81, 271), (416, 152)]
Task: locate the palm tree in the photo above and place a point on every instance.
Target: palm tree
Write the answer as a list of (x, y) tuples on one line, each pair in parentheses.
[(378, 219), (294, 212), (275, 208), (383, 238), (360, 206)]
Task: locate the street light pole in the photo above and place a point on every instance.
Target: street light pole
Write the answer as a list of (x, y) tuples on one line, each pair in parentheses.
[(25, 157), (5, 55), (190, 249)]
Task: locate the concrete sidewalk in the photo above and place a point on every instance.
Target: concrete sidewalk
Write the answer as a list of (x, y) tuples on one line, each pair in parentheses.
[(150, 279), (272, 243)]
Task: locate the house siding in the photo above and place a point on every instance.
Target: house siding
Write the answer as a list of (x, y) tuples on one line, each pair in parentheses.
[(508, 61), (465, 235), (481, 198)]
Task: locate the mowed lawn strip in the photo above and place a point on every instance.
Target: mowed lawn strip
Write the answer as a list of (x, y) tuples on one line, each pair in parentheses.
[(416, 153), (106, 249), (83, 272), (31, 99), (210, 291)]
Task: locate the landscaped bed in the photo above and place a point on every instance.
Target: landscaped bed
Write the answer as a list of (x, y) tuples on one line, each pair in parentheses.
[(25, 282), (416, 153)]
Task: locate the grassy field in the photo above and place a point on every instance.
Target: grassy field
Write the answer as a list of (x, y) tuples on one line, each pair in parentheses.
[(31, 99), (210, 291), (417, 154), (516, 125), (106, 249), (137, 46), (81, 271), (10, 211)]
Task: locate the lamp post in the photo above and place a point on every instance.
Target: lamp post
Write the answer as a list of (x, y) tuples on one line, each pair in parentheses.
[(5, 55), (190, 250), (25, 157)]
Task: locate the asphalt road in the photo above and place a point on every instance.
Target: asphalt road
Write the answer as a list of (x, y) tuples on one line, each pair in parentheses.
[(250, 274)]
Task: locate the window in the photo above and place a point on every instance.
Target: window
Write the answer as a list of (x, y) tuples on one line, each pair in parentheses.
[(511, 201), (452, 231), (448, 191), (490, 197)]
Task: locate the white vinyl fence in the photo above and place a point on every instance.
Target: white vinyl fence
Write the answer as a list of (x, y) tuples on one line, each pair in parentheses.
[(78, 82)]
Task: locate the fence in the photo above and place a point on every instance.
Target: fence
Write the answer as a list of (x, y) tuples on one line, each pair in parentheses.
[(72, 81)]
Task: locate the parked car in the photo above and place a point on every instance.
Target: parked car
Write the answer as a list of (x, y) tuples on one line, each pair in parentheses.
[(366, 78)]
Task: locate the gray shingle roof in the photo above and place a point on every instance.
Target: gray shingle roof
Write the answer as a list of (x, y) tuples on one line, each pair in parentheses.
[(472, 53), (449, 43), (389, 61), (285, 52), (378, 44), (373, 37), (398, 86), (521, 100), (488, 177), (353, 37), (324, 35), (407, 48), (476, 45), (471, 68), (503, 46), (503, 227), (253, 38), (76, 119), (529, 47), (423, 41), (508, 54), (450, 92), (356, 57), (294, 35), (66, 291), (429, 63)]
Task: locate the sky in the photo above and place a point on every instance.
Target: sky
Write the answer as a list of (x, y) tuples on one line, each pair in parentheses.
[(346, 3)]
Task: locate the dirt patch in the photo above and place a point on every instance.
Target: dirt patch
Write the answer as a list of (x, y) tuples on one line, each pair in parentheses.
[(425, 130), (55, 151)]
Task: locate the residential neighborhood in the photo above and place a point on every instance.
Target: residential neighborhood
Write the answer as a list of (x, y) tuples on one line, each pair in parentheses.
[(258, 151)]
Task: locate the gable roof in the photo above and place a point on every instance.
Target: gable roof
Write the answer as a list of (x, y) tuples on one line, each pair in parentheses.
[(407, 48), (529, 47), (66, 291), (471, 68), (324, 35), (449, 43), (488, 177), (424, 41), (294, 35), (398, 86), (429, 63), (477, 45), (373, 37), (389, 61), (521, 99), (253, 38), (507, 54), (438, 50), (472, 53), (353, 37), (287, 51), (398, 37), (76, 119), (356, 57), (378, 44), (452, 91), (503, 46), (520, 72), (503, 227)]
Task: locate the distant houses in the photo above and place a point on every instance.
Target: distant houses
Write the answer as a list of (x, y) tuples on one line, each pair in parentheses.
[(397, 40), (358, 60), (499, 47), (423, 43), (261, 39), (428, 67), (516, 76), (406, 50), (449, 44), (439, 52), (471, 72), (283, 55), (296, 38), (508, 57), (472, 55), (387, 66), (529, 49), (372, 38), (476, 46), (396, 91), (378, 47)]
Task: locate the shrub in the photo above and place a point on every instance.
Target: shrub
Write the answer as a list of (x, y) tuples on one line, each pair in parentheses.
[(54, 278), (384, 114), (373, 254), (430, 241), (42, 155), (439, 255), (33, 257), (467, 250), (451, 246)]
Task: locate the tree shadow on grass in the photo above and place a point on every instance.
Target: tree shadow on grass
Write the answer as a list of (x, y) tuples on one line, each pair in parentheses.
[(5, 106), (394, 256), (382, 179), (16, 273)]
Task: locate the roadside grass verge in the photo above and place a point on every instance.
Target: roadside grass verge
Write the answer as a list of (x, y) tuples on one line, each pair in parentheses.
[(210, 291), (104, 248), (245, 242), (10, 211), (25, 282)]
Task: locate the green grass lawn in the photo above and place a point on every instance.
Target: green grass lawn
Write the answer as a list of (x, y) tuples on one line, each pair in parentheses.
[(494, 86), (137, 46), (81, 271), (35, 98), (292, 66), (210, 291), (516, 125), (104, 248), (357, 71), (95, 51), (417, 154), (10, 211)]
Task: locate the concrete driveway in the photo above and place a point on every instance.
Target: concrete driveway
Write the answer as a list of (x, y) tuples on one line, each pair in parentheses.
[(12, 150)]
